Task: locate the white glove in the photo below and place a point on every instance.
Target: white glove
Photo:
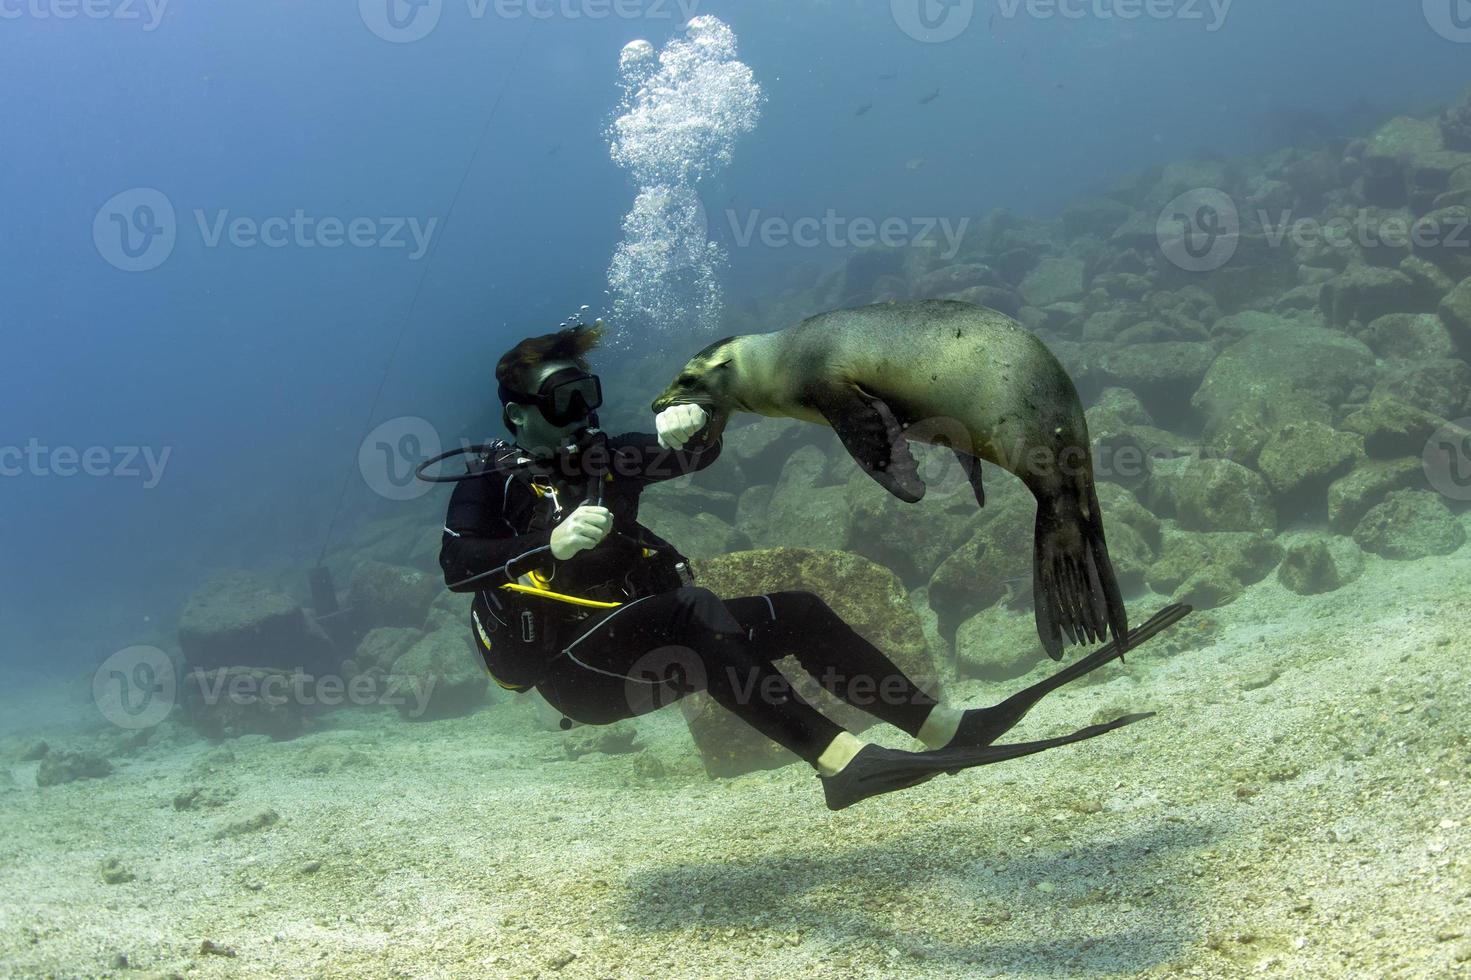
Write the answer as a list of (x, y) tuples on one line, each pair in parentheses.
[(583, 529), (677, 423)]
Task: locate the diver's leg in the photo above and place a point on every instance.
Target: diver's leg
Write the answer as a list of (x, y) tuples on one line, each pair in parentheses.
[(836, 655), (658, 649)]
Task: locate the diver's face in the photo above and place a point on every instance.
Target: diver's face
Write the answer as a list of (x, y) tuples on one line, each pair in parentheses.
[(533, 430)]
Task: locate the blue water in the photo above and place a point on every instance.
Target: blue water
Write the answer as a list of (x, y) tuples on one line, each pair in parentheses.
[(256, 368)]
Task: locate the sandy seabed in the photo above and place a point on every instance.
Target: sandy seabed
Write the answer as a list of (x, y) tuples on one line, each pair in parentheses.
[(1301, 807)]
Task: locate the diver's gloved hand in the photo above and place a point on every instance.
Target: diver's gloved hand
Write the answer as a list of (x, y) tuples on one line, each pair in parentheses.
[(583, 529), (677, 423)]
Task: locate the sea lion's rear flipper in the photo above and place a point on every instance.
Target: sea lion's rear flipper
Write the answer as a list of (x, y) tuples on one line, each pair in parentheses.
[(1074, 587), (873, 436)]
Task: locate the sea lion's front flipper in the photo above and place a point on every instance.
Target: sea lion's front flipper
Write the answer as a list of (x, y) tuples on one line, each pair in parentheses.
[(873, 436), (971, 467)]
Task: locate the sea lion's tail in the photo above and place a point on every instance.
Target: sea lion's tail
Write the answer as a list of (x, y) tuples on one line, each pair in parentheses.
[(1074, 587)]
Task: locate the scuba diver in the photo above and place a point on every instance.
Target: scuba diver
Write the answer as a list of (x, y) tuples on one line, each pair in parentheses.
[(577, 600)]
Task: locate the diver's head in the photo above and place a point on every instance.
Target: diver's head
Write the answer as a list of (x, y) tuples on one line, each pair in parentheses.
[(547, 390), (707, 380)]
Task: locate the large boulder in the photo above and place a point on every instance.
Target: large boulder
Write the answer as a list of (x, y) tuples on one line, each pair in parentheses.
[(1410, 524), (1054, 280), (802, 513), (1363, 294), (1276, 375), (871, 599), (695, 535), (994, 564), (390, 595), (1319, 563), (1302, 458), (1455, 312), (235, 619), (229, 702), (1352, 495), (1212, 569), (1219, 495), (1411, 336), (440, 676), (1163, 375)]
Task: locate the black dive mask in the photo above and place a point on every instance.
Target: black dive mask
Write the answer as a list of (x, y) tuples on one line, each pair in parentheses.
[(564, 397)]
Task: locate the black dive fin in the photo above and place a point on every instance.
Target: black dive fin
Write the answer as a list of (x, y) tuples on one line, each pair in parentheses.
[(875, 769), (1074, 588), (873, 436), (982, 726)]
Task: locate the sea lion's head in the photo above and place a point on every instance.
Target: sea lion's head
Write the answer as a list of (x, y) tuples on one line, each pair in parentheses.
[(709, 381)]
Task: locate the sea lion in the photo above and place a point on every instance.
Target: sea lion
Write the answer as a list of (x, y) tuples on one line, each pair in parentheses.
[(951, 374)]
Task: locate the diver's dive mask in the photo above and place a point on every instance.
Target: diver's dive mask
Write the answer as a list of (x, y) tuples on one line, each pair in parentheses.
[(564, 397)]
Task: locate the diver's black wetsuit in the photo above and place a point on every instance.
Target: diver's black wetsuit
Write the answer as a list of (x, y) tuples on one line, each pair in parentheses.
[(667, 639)]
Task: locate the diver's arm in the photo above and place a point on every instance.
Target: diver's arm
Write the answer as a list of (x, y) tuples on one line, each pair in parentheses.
[(638, 455), (480, 549)]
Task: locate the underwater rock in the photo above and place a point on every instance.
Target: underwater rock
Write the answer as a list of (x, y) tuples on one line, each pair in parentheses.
[(322, 759), (1106, 325), (1455, 312), (686, 496), (1389, 155), (700, 536), (236, 620), (1219, 495), (910, 539), (761, 448), (1455, 127), (450, 610), (1441, 238), (1161, 374), (33, 751), (1099, 216), (61, 766), (382, 646), (1276, 375), (802, 513), (751, 511), (1302, 458), (1438, 385), (389, 595), (615, 739), (998, 644), (248, 824), (1350, 497), (1120, 506), (1392, 427), (202, 798), (1014, 264), (1319, 563), (994, 564), (1411, 336), (1364, 293), (954, 278), (1410, 524), (441, 676), (727, 746), (114, 873), (1055, 280), (1212, 568), (229, 702)]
